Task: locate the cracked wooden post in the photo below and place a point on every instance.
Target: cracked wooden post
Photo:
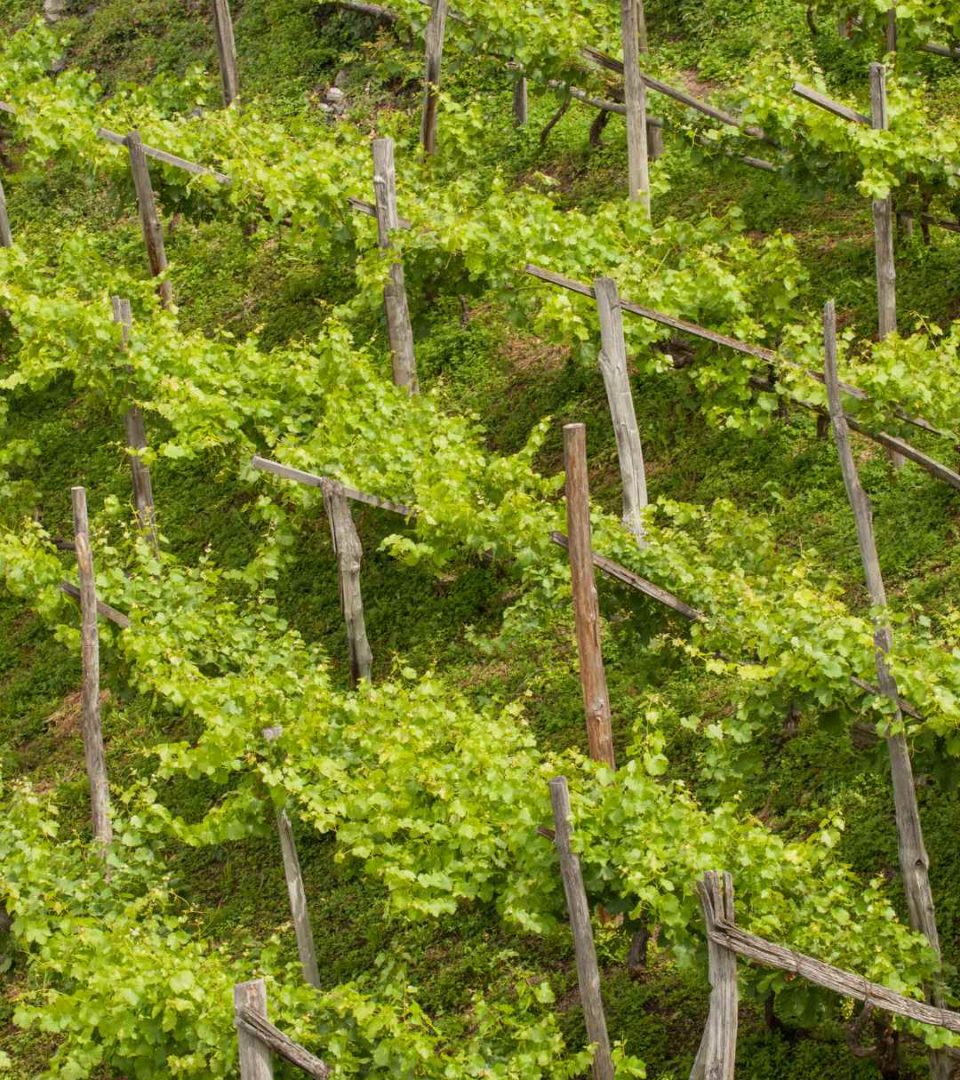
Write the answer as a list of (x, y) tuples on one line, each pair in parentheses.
[(914, 862), (399, 328), (586, 609), (256, 1059), (149, 218), (298, 901), (6, 236), (616, 381), (226, 51), (520, 101), (93, 750), (436, 28), (716, 1058), (635, 98), (348, 550), (137, 440), (588, 973)]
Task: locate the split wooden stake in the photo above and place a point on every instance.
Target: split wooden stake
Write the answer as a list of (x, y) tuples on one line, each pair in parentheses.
[(399, 328), (616, 380), (588, 973), (716, 1057), (436, 28), (93, 751), (6, 236), (586, 609), (298, 901), (226, 51), (347, 547), (256, 1060), (149, 218), (520, 101), (635, 98)]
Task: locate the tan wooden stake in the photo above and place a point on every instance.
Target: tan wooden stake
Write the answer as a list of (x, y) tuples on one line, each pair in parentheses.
[(642, 42), (93, 750), (226, 51), (654, 140), (137, 440), (586, 609), (716, 1058), (256, 1060), (588, 973), (520, 101), (149, 218), (6, 236), (635, 98), (397, 310), (436, 28), (347, 548), (616, 380), (298, 901), (914, 862), (891, 29)]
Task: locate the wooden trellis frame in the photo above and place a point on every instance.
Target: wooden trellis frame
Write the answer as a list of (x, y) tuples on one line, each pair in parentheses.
[(258, 1040)]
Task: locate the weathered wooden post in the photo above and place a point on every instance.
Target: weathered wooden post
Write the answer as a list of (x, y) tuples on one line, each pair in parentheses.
[(137, 440), (349, 552), (298, 901), (399, 328), (717, 1055), (914, 861), (149, 218), (891, 29), (6, 236), (635, 98), (588, 973), (93, 751), (436, 28), (616, 380), (642, 41), (520, 101), (226, 51), (256, 1060), (586, 608)]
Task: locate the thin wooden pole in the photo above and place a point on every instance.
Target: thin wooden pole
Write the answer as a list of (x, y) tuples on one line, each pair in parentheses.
[(226, 51), (642, 42), (6, 236), (256, 1060), (436, 28), (137, 440), (616, 380), (588, 973), (399, 328), (149, 218), (716, 1058), (349, 552), (654, 139), (298, 901), (635, 98), (520, 101), (586, 609), (891, 29), (93, 750), (914, 861)]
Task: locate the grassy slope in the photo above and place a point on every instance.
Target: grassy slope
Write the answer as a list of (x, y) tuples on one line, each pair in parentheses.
[(288, 49)]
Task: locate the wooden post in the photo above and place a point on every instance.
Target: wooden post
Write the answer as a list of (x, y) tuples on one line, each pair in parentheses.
[(914, 862), (298, 901), (588, 973), (635, 98), (654, 140), (616, 380), (716, 1057), (642, 42), (256, 1060), (6, 236), (347, 548), (891, 29), (226, 51), (93, 751), (586, 609), (399, 329), (436, 29), (520, 102), (149, 218), (137, 440)]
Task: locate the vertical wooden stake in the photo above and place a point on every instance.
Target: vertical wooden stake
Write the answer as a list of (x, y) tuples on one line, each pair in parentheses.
[(298, 901), (436, 28), (6, 236), (588, 973), (256, 1058), (520, 101), (891, 29), (137, 441), (616, 380), (399, 328), (347, 548), (226, 51), (93, 751), (586, 609), (149, 218), (914, 862), (635, 97), (716, 1057), (642, 42), (654, 140)]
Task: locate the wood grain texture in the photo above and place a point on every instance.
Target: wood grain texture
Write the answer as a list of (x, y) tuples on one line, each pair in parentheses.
[(226, 51), (349, 553), (297, 894), (250, 1011), (635, 99), (149, 218), (436, 29)]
